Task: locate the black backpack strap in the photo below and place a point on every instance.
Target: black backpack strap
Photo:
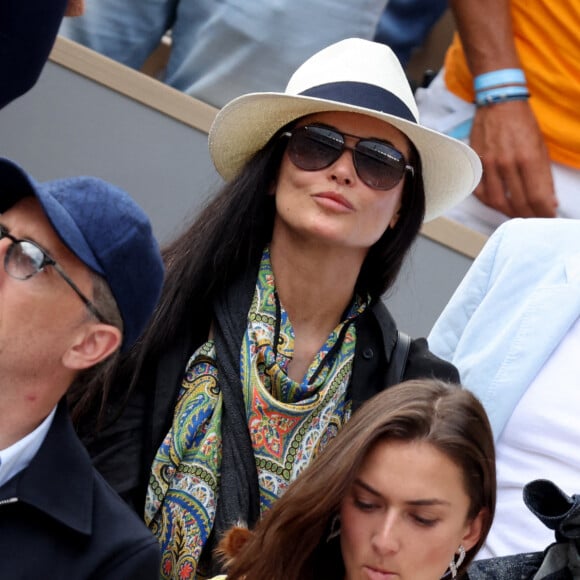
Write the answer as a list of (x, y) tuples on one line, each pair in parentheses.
[(380, 356), (399, 356)]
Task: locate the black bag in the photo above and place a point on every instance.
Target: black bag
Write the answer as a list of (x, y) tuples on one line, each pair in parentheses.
[(560, 560)]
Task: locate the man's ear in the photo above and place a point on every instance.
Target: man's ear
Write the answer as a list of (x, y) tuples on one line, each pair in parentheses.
[(93, 345)]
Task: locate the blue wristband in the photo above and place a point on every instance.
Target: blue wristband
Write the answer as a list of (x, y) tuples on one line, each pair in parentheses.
[(507, 90), (500, 95), (494, 78)]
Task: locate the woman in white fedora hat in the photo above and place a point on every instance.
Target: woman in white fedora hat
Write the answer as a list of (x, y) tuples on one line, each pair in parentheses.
[(271, 330)]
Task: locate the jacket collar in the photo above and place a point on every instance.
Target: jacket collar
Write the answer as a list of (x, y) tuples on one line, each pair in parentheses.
[(60, 478)]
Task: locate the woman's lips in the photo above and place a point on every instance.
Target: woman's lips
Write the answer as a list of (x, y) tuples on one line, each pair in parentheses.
[(378, 574), (334, 200)]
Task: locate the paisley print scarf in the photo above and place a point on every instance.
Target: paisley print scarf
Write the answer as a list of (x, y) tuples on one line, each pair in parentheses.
[(289, 423)]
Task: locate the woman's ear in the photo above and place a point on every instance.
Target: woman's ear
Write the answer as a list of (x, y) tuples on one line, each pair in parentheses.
[(91, 346), (473, 530)]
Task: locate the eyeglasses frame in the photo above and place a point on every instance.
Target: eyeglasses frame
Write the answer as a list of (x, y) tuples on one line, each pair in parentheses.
[(47, 260)]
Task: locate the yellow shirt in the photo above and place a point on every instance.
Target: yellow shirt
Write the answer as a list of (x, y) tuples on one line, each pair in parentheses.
[(546, 36)]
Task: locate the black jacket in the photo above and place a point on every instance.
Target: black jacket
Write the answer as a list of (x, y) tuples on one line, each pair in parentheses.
[(60, 520), (28, 29), (124, 450)]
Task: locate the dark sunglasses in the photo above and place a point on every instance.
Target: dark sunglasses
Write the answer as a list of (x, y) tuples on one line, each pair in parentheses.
[(378, 164), (24, 259)]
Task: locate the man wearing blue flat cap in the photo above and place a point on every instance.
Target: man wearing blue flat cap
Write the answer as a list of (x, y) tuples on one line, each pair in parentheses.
[(81, 274)]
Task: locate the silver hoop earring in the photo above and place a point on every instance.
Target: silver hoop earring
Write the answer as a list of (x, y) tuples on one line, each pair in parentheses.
[(334, 528), (456, 562)]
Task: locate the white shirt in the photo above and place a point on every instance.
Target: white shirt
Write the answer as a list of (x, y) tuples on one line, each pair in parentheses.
[(18, 456), (540, 441)]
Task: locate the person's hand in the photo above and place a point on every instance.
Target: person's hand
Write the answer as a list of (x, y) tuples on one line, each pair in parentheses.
[(75, 8), (517, 179)]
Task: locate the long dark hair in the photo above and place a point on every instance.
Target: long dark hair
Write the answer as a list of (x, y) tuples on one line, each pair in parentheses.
[(291, 540), (227, 238), (230, 233)]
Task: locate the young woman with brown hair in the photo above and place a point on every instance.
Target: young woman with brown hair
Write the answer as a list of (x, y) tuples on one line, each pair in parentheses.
[(406, 490)]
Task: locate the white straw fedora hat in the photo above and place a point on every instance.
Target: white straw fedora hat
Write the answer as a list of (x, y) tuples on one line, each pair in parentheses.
[(358, 76)]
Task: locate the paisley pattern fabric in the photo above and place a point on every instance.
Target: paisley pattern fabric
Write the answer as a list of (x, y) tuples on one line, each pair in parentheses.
[(182, 493), (289, 422)]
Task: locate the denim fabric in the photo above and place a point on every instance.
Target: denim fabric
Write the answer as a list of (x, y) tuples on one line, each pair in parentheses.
[(405, 24), (222, 49), (518, 567)]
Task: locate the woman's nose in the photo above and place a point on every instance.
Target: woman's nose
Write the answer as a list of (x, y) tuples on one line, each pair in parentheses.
[(386, 536), (343, 170)]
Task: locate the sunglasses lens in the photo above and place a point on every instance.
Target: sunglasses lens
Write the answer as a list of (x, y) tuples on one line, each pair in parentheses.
[(379, 165), (23, 260), (314, 148)]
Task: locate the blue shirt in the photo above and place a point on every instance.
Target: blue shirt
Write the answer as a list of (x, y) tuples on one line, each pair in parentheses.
[(18, 456)]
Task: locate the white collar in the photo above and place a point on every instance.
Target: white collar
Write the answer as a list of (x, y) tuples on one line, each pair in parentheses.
[(18, 456)]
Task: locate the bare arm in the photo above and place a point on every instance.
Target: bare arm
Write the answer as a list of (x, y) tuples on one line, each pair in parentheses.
[(517, 179)]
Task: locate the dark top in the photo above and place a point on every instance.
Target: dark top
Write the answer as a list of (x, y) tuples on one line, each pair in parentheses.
[(124, 451), (66, 522), (28, 29)]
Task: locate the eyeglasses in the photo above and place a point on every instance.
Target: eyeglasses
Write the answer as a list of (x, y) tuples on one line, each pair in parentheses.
[(378, 164), (24, 259)]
